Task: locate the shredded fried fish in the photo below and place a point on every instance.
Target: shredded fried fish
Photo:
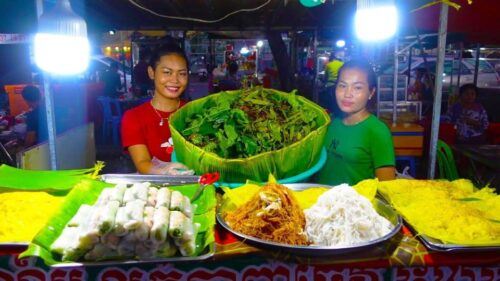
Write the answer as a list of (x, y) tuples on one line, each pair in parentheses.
[(273, 214)]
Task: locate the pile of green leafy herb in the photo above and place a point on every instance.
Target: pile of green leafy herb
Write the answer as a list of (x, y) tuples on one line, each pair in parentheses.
[(252, 122)]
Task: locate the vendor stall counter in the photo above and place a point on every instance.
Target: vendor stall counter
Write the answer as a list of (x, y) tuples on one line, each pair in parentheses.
[(405, 258)]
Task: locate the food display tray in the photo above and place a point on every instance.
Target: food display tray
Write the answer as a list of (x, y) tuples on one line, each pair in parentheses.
[(164, 180), (382, 208), (207, 254), (437, 245)]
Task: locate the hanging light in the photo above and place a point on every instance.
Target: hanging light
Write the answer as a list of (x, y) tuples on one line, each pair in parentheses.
[(244, 51), (340, 43), (61, 44), (375, 20), (311, 3), (260, 43)]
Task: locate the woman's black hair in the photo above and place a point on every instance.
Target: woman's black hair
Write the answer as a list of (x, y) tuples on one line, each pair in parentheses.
[(166, 49), (466, 87), (363, 66)]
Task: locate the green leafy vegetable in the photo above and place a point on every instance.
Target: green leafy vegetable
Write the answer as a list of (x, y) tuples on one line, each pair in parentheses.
[(252, 122)]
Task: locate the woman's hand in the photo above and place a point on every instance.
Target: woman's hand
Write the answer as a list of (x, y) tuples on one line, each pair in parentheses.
[(145, 165), (169, 168)]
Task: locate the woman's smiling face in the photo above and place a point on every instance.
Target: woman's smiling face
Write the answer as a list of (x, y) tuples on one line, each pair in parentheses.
[(353, 91), (170, 76)]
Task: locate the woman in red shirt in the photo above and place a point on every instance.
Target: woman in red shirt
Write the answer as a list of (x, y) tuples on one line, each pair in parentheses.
[(145, 130)]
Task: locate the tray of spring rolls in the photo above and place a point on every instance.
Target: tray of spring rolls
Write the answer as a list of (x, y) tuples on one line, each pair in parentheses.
[(129, 219), (308, 219)]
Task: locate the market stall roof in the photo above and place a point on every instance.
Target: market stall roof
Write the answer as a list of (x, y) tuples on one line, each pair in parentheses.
[(477, 23), (272, 14)]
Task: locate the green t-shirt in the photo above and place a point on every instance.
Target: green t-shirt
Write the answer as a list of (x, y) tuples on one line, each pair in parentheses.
[(355, 151)]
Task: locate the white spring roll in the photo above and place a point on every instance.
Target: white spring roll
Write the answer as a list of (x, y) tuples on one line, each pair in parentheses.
[(81, 216), (126, 247), (166, 249), (180, 227), (135, 214), (67, 239), (107, 215), (101, 252), (129, 195), (188, 208), (176, 201), (110, 240), (143, 230), (120, 221), (118, 193), (145, 251), (152, 194), (104, 197), (188, 247), (163, 197), (141, 190), (160, 224)]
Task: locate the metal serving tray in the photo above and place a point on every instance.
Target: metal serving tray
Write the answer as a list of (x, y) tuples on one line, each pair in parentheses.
[(158, 179), (382, 208), (165, 180), (207, 254), (437, 245)]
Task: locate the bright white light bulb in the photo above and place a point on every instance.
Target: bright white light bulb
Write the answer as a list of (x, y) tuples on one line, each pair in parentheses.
[(340, 43), (260, 43), (244, 51), (63, 55), (377, 23)]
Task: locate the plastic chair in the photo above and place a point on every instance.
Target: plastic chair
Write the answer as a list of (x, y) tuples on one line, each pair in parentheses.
[(411, 162), (112, 115), (446, 162)]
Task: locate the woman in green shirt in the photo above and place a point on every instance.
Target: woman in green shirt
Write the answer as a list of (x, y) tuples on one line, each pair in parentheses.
[(359, 145)]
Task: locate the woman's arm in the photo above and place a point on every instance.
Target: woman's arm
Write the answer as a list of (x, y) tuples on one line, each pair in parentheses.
[(385, 173), (141, 158)]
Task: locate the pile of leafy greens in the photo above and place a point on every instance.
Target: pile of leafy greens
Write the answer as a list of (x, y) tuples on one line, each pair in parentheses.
[(252, 122)]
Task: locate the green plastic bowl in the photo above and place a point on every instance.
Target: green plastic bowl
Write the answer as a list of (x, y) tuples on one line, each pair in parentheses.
[(302, 177)]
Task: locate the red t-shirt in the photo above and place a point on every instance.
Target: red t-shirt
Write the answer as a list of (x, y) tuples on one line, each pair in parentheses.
[(141, 125)]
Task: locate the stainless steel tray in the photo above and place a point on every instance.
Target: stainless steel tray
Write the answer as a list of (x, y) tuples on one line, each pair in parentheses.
[(164, 180), (382, 208), (209, 253), (437, 245)]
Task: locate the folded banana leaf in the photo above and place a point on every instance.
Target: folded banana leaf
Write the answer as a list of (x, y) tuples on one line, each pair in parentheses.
[(30, 180), (87, 192), (285, 162)]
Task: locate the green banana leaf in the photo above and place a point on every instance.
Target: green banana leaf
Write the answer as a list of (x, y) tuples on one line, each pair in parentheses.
[(283, 163), (30, 180), (87, 192)]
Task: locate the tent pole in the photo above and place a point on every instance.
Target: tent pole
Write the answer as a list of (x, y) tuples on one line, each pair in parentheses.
[(438, 84), (476, 66), (395, 83)]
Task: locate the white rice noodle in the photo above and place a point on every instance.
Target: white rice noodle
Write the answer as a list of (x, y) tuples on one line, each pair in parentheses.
[(341, 217)]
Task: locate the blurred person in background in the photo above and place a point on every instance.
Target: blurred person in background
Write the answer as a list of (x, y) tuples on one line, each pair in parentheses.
[(326, 97), (112, 82), (142, 81), (469, 117), (36, 119), (231, 81)]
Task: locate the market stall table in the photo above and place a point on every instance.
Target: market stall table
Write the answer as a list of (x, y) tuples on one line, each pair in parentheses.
[(405, 258)]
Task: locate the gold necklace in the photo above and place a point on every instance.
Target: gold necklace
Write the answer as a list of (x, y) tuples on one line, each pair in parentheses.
[(159, 115)]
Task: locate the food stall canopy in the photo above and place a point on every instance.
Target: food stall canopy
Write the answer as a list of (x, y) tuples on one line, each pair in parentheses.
[(478, 22), (274, 14)]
